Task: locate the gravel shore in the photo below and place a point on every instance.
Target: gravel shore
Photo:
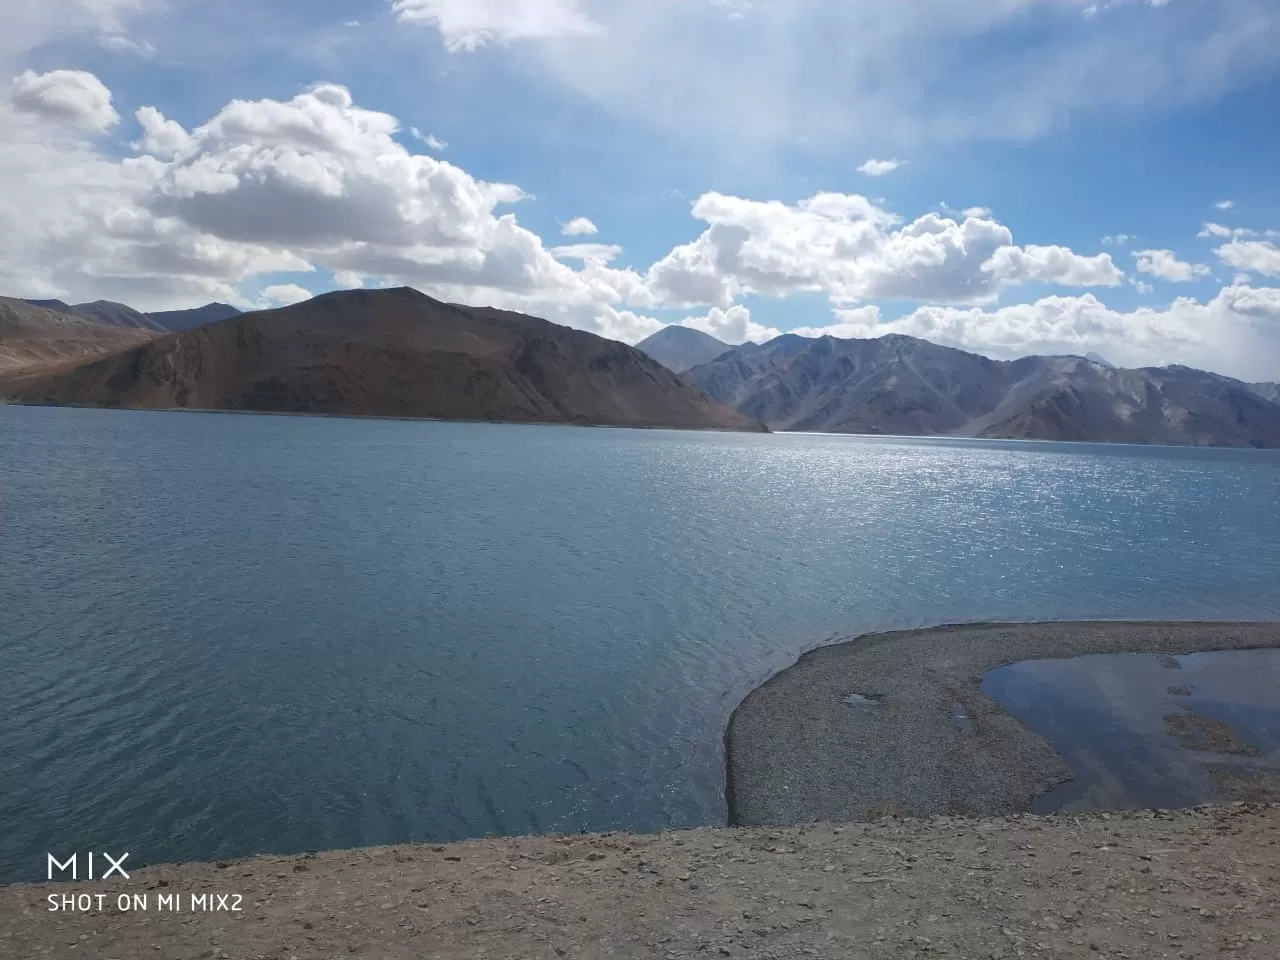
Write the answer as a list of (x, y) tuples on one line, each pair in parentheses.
[(1192, 884), (798, 753)]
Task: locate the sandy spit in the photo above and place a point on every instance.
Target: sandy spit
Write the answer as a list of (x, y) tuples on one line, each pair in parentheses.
[(797, 753)]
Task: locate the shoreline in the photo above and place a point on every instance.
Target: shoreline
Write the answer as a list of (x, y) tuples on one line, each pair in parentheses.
[(383, 416), (795, 753)]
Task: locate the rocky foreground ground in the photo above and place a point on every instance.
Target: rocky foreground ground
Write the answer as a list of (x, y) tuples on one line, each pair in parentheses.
[(1201, 883)]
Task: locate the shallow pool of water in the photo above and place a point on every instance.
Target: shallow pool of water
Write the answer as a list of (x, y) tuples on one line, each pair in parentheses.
[(1141, 730)]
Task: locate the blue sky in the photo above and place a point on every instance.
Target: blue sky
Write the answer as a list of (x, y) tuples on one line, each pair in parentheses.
[(1071, 176)]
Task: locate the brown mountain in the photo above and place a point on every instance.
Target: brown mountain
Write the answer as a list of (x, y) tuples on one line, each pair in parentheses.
[(682, 348), (34, 338), (393, 353), (107, 312), (904, 386)]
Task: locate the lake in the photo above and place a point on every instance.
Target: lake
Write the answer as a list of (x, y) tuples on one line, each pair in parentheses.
[(223, 635)]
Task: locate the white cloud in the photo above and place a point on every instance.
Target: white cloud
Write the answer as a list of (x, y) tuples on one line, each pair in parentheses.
[(732, 325), (1237, 332), (1256, 256), (980, 213), (1166, 265), (1225, 204), (73, 97), (878, 168), (119, 43), (430, 140), (853, 324), (877, 76), (579, 227), (602, 252), (1052, 264), (851, 249), (282, 186), (283, 294), (160, 136), (467, 25), (1118, 240), (1218, 230)]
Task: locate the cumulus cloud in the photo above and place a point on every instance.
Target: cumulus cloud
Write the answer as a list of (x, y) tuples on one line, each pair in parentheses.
[(851, 249), (283, 294), (1166, 265), (161, 136), (1225, 204), (73, 97), (878, 168), (270, 186), (1118, 240), (602, 252), (980, 213), (467, 25), (316, 181), (1257, 256), (579, 227), (732, 325)]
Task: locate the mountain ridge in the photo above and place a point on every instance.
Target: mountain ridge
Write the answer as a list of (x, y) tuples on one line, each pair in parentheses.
[(906, 386), (176, 321), (394, 352)]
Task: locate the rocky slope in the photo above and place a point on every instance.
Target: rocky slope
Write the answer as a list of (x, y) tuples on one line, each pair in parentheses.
[(682, 348), (179, 320), (905, 386), (34, 338), (395, 353)]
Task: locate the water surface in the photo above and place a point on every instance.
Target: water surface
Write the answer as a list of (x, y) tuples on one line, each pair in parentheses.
[(222, 635)]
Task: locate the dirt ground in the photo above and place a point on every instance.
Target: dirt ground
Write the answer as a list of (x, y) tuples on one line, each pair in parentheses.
[(1190, 884)]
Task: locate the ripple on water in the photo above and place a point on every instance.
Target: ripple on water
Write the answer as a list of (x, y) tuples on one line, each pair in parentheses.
[(280, 633)]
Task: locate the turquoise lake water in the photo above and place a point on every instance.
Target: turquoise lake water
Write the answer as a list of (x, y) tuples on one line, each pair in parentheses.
[(222, 635)]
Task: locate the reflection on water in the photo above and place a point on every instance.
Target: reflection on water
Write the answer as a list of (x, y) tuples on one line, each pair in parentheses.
[(1151, 731)]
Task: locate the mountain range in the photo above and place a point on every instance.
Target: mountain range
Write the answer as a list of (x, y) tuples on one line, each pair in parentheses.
[(905, 386), (394, 352), (401, 353), (114, 314)]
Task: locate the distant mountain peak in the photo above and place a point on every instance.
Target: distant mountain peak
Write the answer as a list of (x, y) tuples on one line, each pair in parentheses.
[(680, 348)]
